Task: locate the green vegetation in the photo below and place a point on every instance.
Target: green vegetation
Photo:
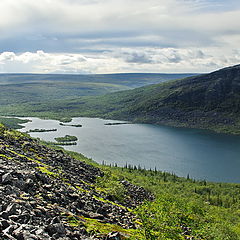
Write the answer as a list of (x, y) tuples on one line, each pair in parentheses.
[(66, 138), (12, 122), (209, 101), (61, 96), (94, 225), (22, 88), (182, 208), (42, 130), (117, 123), (63, 143), (70, 125)]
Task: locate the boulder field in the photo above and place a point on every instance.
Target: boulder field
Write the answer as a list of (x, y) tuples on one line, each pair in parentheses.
[(46, 194)]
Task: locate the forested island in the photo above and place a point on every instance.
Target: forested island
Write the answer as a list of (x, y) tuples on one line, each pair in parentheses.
[(67, 140), (70, 125), (117, 123), (42, 130)]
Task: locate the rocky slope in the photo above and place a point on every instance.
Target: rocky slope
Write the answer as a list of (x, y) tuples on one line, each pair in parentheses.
[(46, 194)]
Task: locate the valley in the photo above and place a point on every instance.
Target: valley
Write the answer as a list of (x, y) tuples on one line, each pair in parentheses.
[(209, 101)]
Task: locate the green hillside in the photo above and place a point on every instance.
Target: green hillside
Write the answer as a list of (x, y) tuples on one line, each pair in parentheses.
[(210, 101), (24, 88)]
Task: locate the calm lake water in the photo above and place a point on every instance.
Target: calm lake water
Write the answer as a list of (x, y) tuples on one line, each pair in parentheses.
[(201, 154)]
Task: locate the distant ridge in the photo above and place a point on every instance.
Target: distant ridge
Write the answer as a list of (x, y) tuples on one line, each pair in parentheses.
[(207, 101), (125, 79), (36, 88)]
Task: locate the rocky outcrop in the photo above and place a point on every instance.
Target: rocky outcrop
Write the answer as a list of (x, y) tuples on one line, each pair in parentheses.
[(46, 194)]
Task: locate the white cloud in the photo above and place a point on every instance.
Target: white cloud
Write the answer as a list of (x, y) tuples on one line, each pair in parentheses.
[(117, 60), (40, 62), (136, 35)]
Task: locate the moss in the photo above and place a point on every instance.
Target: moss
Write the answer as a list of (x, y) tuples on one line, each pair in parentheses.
[(96, 226), (4, 156), (38, 196), (82, 190), (24, 196), (73, 221), (14, 134), (49, 173), (110, 202), (21, 155), (86, 183)]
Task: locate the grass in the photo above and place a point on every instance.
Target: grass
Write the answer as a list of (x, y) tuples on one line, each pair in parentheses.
[(47, 171)]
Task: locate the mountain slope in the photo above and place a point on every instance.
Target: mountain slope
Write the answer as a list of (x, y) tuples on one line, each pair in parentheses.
[(48, 194), (209, 101), (206, 101)]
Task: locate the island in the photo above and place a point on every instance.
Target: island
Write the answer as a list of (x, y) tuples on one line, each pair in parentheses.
[(66, 140), (42, 130), (117, 123), (63, 143), (70, 125)]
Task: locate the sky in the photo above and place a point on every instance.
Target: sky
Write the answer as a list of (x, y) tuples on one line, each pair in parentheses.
[(118, 36)]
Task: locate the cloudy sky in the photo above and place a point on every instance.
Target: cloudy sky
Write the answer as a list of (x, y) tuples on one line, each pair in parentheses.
[(109, 36)]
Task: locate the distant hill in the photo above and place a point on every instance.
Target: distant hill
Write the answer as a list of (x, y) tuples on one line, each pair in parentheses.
[(126, 79), (22, 88)]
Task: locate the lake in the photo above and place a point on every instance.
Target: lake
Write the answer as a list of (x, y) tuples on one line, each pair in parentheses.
[(201, 154)]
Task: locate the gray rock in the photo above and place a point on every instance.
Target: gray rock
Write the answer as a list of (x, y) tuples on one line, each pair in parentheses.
[(6, 236), (7, 178), (9, 230), (13, 209), (40, 231), (4, 215), (4, 224), (114, 236), (55, 220), (23, 219), (57, 228)]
